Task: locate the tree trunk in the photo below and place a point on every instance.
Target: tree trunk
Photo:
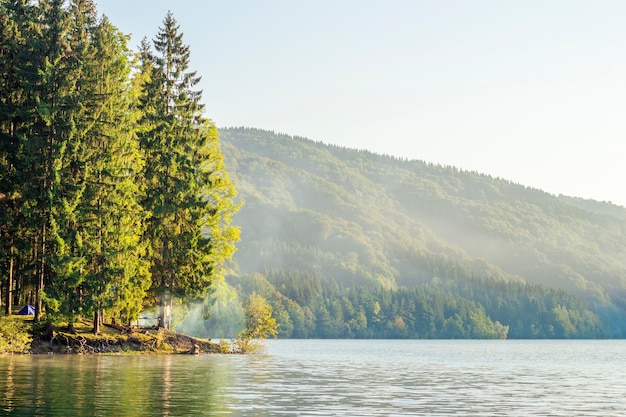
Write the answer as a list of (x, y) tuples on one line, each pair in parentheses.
[(9, 296), (163, 316), (41, 275), (161, 323), (169, 316), (165, 313), (96, 321), (40, 286)]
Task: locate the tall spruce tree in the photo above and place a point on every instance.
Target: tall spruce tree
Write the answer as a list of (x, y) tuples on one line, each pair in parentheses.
[(14, 18), (43, 124), (24, 151), (119, 276), (63, 294), (100, 260), (47, 85), (188, 193)]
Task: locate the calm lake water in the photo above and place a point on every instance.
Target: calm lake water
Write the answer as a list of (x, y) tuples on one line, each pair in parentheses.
[(329, 377)]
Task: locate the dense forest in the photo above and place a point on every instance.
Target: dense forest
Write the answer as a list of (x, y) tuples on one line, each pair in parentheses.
[(347, 243), (113, 192)]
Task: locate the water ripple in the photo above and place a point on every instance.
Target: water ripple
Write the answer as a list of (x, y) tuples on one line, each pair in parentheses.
[(315, 378)]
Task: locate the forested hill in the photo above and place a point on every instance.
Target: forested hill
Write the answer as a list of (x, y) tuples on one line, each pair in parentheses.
[(348, 243)]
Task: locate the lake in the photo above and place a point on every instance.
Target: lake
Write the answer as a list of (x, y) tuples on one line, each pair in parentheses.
[(330, 377)]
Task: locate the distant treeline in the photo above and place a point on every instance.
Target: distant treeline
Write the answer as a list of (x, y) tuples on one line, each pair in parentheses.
[(309, 306)]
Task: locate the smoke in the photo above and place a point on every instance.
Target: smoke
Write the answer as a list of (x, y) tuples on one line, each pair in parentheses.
[(225, 318)]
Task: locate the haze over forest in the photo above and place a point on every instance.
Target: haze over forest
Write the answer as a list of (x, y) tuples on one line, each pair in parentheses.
[(348, 243)]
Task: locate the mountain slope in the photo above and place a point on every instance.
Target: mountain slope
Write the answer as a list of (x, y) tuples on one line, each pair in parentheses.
[(353, 219)]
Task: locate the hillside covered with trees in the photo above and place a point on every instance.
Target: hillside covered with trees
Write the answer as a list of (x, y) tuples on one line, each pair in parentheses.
[(347, 243)]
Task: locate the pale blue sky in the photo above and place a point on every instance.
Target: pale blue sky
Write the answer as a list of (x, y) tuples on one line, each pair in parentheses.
[(531, 91)]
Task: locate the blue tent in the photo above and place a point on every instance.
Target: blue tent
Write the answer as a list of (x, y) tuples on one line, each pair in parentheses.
[(27, 310)]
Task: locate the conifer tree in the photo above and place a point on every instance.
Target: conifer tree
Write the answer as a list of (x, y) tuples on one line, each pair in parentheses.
[(47, 86), (25, 153), (13, 27), (63, 295), (188, 193), (120, 278), (41, 76), (100, 261), (87, 192)]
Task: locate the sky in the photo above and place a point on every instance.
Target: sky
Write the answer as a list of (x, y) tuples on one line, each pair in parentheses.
[(531, 91)]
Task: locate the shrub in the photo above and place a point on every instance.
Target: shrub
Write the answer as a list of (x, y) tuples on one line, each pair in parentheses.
[(248, 345), (259, 325), (14, 335), (224, 346)]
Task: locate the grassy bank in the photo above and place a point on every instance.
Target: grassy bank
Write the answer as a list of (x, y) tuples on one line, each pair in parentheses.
[(20, 334)]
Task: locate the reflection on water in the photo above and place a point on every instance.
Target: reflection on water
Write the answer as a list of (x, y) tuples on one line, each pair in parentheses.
[(303, 377), (112, 385)]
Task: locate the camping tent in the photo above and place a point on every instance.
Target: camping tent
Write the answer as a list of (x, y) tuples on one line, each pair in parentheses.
[(27, 310)]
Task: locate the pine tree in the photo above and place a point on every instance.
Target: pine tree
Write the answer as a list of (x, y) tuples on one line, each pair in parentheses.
[(41, 132), (100, 263), (101, 169), (25, 152), (63, 295), (120, 279), (188, 193), (13, 27)]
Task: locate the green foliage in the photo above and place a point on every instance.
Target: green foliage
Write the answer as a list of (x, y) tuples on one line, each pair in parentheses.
[(247, 346), (479, 309), (259, 324), (187, 190), (109, 173), (321, 220), (101, 262), (14, 335), (224, 346)]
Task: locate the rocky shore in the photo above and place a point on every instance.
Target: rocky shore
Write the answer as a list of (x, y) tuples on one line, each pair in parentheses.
[(48, 339)]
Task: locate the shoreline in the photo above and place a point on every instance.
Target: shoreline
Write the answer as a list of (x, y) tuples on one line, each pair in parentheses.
[(154, 342), (46, 339)]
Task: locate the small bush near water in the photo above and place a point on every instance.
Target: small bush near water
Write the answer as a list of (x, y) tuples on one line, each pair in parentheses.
[(14, 335)]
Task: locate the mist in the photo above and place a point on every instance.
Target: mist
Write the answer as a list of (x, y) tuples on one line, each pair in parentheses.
[(355, 218), (225, 315)]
